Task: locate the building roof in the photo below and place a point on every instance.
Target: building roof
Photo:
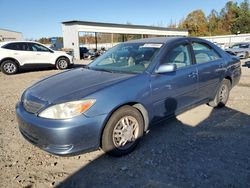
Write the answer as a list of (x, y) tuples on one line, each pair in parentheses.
[(156, 40), (10, 30), (76, 22)]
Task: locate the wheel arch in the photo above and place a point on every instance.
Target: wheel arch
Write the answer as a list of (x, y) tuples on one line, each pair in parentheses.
[(136, 105), (10, 58), (230, 79)]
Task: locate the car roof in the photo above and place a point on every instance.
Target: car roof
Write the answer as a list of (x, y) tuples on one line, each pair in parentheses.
[(8, 42)]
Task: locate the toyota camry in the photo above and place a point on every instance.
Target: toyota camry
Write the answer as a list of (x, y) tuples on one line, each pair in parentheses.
[(113, 101)]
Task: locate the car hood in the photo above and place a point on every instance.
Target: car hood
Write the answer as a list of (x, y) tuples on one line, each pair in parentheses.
[(235, 50), (60, 52), (73, 85)]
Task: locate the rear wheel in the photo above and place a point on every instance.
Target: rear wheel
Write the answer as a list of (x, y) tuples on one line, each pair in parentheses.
[(62, 63), (222, 95), (9, 67), (123, 131)]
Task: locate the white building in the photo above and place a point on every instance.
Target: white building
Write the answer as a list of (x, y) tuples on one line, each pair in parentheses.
[(71, 31), (8, 35), (228, 40)]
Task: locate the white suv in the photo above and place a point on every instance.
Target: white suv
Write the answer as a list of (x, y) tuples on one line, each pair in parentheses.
[(22, 53)]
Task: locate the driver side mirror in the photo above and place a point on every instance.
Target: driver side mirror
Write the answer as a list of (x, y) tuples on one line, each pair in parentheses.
[(165, 68)]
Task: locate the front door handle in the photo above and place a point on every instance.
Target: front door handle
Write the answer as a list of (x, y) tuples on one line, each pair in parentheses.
[(193, 75), (221, 65)]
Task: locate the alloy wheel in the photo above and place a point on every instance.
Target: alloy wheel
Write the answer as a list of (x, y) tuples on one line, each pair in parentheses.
[(9, 68), (63, 64)]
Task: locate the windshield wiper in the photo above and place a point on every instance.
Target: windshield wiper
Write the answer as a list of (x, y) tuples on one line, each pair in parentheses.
[(104, 70), (85, 67)]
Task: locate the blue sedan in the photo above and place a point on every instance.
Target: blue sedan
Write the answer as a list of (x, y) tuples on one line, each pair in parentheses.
[(111, 102)]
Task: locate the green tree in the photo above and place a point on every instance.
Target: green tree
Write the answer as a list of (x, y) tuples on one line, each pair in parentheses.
[(227, 17), (242, 22)]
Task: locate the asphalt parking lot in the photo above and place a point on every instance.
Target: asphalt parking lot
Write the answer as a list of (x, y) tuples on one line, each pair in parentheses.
[(203, 147)]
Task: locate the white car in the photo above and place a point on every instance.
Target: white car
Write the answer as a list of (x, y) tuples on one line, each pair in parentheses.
[(16, 54)]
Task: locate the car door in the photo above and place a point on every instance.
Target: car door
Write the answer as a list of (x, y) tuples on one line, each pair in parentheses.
[(41, 54), (210, 67), (175, 91)]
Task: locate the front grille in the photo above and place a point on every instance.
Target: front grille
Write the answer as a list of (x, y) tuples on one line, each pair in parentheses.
[(31, 106)]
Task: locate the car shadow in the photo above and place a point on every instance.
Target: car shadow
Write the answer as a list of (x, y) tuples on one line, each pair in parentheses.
[(213, 153)]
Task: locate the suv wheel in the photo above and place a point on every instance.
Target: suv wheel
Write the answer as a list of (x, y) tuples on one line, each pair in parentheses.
[(62, 63), (222, 94), (9, 67), (123, 131)]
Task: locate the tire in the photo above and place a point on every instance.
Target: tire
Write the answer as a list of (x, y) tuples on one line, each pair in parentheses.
[(9, 67), (62, 63), (118, 138), (246, 55), (222, 95)]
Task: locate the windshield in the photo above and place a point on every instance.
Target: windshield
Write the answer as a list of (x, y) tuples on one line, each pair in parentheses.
[(235, 46), (127, 58)]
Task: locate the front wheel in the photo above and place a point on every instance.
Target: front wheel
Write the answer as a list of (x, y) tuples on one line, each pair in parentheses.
[(62, 63), (246, 55), (222, 95), (123, 131)]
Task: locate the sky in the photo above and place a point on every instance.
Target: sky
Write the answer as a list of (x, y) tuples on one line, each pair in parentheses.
[(42, 18)]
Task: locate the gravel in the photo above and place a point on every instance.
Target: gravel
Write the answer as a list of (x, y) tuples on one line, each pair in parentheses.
[(203, 147)]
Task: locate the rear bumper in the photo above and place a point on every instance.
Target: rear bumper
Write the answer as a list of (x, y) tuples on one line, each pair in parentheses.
[(61, 137)]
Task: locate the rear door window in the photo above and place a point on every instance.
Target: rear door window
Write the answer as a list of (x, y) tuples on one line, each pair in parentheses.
[(204, 53)]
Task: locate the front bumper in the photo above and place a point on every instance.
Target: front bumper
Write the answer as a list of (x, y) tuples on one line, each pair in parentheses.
[(61, 137), (71, 60)]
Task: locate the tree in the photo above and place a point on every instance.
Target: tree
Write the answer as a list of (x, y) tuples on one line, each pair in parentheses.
[(227, 17), (44, 40), (242, 21), (232, 19), (213, 20), (196, 23)]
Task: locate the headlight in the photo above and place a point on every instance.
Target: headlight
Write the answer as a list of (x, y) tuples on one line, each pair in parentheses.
[(67, 110)]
